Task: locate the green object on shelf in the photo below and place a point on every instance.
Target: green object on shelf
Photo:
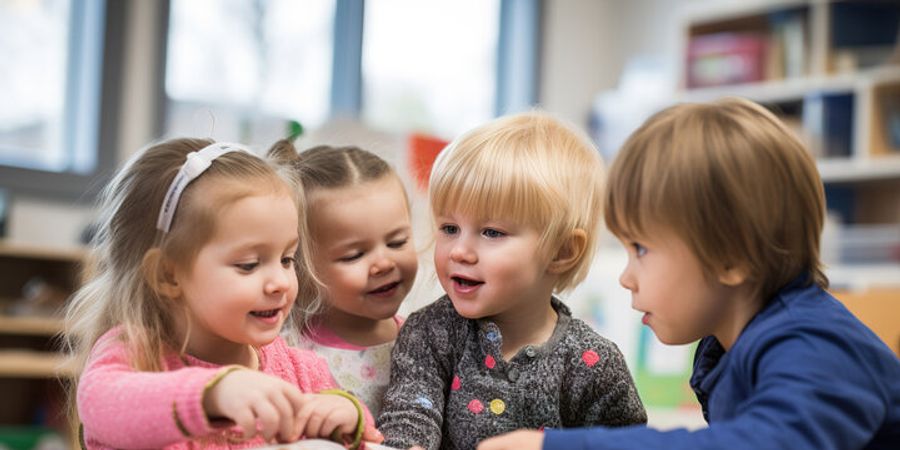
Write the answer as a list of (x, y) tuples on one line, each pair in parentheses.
[(24, 437)]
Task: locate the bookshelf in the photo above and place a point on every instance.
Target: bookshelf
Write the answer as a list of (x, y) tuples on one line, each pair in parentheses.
[(34, 284), (831, 70)]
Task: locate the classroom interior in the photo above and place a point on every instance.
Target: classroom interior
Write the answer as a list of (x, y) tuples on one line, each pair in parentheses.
[(86, 83)]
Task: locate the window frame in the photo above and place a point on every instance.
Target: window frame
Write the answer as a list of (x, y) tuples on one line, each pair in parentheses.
[(518, 58), (95, 109)]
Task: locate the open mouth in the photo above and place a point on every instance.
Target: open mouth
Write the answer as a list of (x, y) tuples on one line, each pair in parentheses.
[(265, 314), (386, 288), (465, 281)]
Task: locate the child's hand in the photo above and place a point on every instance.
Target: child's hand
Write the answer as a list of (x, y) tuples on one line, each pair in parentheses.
[(517, 440), (248, 398), (323, 414)]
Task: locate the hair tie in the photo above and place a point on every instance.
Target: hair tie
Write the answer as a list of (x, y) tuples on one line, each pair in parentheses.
[(195, 164)]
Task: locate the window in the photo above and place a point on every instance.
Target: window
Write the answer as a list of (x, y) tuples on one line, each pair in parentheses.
[(430, 66), (243, 71), (50, 140)]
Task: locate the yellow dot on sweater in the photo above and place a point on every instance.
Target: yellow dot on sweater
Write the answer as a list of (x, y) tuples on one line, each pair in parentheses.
[(497, 406)]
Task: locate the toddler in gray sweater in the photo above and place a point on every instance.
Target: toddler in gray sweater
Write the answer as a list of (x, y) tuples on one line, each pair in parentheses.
[(517, 204)]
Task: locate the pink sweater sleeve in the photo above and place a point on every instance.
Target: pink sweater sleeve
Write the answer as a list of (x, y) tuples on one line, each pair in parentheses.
[(124, 408)]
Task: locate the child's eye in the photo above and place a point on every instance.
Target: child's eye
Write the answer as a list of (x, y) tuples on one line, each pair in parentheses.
[(449, 229), (492, 233), (639, 249), (351, 257), (288, 261), (247, 267), (398, 243)]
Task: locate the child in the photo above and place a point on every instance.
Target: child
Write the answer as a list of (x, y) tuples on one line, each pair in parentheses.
[(363, 252), (177, 330), (721, 209), (517, 204)]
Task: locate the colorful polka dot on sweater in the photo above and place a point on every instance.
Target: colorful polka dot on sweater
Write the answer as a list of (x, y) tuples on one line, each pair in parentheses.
[(497, 406), (489, 362), (475, 406), (590, 358), (424, 402), (455, 384)]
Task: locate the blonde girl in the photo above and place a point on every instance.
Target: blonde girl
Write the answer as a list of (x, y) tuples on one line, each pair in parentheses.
[(362, 247), (176, 333)]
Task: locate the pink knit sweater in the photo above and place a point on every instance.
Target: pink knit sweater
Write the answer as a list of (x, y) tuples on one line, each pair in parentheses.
[(121, 407)]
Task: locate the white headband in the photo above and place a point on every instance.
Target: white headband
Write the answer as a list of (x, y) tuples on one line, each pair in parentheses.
[(195, 164)]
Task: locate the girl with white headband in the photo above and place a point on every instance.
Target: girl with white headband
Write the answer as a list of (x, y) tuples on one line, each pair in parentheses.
[(176, 333)]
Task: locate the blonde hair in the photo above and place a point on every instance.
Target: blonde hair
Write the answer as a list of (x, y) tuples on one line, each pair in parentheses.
[(122, 285), (326, 167), (732, 181), (529, 168)]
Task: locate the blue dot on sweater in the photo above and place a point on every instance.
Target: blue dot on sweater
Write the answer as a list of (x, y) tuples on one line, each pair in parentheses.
[(424, 402), (492, 336)]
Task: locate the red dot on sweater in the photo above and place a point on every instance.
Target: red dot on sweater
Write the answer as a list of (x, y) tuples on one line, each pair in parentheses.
[(475, 406), (489, 362), (455, 385), (590, 358)]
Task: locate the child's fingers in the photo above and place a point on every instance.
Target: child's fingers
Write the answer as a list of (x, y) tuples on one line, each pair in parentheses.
[(337, 421), (371, 434), (314, 425), (246, 421), (285, 410), (268, 418), (299, 418), (296, 398)]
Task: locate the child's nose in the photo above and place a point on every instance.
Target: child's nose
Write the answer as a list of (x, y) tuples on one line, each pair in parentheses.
[(626, 279), (381, 266), (280, 281), (462, 253)]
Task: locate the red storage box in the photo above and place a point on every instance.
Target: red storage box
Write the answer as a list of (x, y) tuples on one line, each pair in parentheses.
[(726, 58)]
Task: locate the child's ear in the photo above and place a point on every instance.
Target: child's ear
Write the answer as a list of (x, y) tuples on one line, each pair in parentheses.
[(733, 276), (160, 274), (569, 252)]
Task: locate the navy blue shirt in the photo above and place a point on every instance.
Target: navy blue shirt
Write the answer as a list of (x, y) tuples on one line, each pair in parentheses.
[(803, 374)]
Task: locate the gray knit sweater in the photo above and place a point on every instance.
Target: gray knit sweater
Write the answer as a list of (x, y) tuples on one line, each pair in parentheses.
[(450, 387)]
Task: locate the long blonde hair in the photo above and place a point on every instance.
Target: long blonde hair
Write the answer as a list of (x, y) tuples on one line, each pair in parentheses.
[(121, 289)]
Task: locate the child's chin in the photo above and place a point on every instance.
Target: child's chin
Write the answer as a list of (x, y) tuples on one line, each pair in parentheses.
[(465, 312)]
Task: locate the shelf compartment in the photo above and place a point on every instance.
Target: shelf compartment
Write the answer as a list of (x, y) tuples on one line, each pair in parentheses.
[(31, 326), (34, 364)]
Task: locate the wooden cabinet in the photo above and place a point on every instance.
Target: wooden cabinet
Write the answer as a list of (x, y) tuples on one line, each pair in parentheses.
[(34, 284)]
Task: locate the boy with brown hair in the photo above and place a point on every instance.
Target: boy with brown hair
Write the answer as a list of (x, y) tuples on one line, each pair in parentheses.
[(721, 210)]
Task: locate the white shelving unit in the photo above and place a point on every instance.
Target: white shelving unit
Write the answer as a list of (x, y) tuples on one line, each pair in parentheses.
[(872, 169)]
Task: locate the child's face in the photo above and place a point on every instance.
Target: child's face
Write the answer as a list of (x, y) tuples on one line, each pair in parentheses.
[(489, 267), (668, 285), (364, 250), (242, 283)]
